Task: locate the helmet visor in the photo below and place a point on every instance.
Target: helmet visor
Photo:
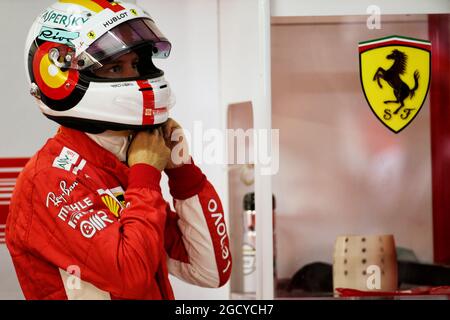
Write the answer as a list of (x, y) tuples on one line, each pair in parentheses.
[(123, 38)]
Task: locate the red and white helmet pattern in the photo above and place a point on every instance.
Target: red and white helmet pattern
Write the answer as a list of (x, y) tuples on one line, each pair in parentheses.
[(71, 39)]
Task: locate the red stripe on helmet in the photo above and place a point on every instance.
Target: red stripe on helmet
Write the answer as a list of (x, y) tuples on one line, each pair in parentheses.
[(115, 7), (148, 102)]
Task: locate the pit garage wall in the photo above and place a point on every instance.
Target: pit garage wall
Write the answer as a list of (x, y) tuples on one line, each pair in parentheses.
[(192, 70), (341, 170)]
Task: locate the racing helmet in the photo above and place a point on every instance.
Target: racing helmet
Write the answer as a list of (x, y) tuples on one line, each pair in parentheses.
[(72, 39)]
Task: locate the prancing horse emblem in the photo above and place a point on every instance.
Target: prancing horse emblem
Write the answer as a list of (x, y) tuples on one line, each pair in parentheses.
[(392, 77)]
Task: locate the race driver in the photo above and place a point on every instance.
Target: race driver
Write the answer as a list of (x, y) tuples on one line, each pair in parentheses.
[(87, 218)]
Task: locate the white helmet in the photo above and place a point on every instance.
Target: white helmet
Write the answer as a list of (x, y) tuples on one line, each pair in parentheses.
[(71, 39)]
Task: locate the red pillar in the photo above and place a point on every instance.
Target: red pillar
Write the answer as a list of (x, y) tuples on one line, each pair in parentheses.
[(439, 26)]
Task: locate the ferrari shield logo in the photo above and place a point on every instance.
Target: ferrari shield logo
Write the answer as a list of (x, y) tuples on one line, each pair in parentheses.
[(395, 76)]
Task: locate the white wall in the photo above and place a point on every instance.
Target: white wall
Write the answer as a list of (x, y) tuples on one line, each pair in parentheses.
[(21, 119)]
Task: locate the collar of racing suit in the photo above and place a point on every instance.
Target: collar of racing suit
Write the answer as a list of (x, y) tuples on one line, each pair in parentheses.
[(116, 142), (95, 154)]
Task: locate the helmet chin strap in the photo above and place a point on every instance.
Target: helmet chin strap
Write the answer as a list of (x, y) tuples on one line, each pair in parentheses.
[(116, 142)]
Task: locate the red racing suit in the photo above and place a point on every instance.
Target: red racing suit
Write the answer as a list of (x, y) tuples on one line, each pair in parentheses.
[(83, 225)]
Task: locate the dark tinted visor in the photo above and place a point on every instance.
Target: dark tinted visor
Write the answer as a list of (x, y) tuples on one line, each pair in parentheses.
[(124, 38)]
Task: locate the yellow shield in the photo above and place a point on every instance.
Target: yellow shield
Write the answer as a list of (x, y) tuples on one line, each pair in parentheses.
[(395, 76), (112, 204)]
